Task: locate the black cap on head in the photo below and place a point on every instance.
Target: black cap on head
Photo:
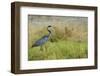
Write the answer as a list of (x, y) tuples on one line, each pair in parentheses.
[(49, 26)]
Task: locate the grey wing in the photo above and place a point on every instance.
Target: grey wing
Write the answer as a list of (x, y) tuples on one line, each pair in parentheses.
[(40, 41)]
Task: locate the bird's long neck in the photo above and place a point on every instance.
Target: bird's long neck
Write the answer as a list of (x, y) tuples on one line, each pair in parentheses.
[(49, 32)]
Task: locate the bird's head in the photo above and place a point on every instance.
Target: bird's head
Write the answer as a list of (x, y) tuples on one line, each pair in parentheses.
[(49, 26)]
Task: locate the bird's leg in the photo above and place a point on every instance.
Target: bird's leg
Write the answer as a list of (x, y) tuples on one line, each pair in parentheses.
[(45, 52), (46, 47), (41, 48)]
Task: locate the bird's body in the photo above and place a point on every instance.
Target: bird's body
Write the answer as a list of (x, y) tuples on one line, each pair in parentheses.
[(43, 39)]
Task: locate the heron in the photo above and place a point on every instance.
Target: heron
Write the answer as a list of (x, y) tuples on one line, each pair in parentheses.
[(43, 40)]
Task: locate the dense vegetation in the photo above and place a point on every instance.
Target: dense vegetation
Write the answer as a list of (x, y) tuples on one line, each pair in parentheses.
[(66, 41)]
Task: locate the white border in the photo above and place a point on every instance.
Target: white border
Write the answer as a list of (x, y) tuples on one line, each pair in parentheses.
[(25, 64)]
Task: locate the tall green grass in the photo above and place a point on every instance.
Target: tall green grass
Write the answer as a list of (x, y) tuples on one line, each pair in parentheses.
[(59, 50)]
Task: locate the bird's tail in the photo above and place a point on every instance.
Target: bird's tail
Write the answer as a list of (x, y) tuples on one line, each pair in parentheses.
[(32, 46)]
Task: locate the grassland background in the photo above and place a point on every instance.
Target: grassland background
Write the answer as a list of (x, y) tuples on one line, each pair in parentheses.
[(68, 39)]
